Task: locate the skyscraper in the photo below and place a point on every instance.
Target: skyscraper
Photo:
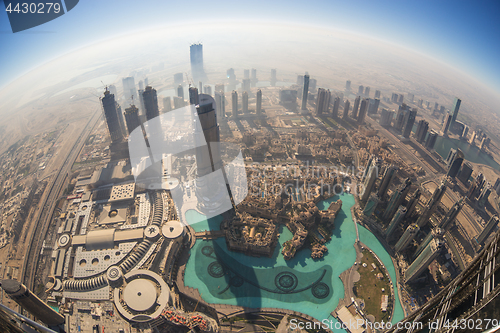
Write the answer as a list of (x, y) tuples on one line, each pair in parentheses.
[(31, 303), (367, 91), (348, 85), (488, 230), (454, 109), (220, 105), (322, 101), (347, 104), (167, 104), (431, 204), (452, 214), (430, 142), (423, 261), (180, 91), (246, 74), (389, 174), (355, 107), (129, 88), (407, 237), (231, 78), (112, 113), (395, 222), (132, 118), (244, 102), (258, 103), (361, 90), (193, 95), (377, 94), (370, 179), (178, 79), (436, 233), (253, 79), (234, 104), (465, 173), (483, 197), (305, 92), (219, 88), (245, 85), (397, 199), (273, 77), (336, 104), (373, 106), (408, 122), (150, 103), (422, 129), (455, 160), (446, 124), (386, 117), (362, 111), (412, 204), (197, 70), (371, 205), (207, 90)]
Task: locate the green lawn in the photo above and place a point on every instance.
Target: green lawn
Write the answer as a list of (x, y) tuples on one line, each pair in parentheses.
[(369, 287)]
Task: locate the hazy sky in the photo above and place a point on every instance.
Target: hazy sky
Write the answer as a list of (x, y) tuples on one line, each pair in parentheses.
[(463, 34)]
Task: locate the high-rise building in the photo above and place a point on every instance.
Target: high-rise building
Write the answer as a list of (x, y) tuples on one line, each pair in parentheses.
[(496, 187), (401, 116), (258, 103), (412, 204), (193, 95), (373, 106), (180, 91), (377, 94), (231, 76), (370, 179), (395, 222), (34, 305), (455, 109), (472, 296), (336, 105), (431, 204), (446, 124), (150, 103), (394, 97), (112, 113), (422, 129), (197, 70), (454, 161), (430, 142), (245, 85), (386, 117), (219, 88), (167, 104), (348, 85), (244, 102), (371, 205), (129, 89), (465, 173), (179, 102), (483, 197), (112, 89), (305, 92), (452, 214), (178, 79), (409, 121), (246, 74), (361, 90), (207, 89), (322, 101), (208, 121), (312, 84), (401, 99), (234, 104), (132, 118), (397, 199), (367, 168), (411, 97), (407, 237), (488, 230), (347, 104), (355, 107), (362, 111), (220, 105), (423, 261), (389, 174), (367, 91), (141, 85), (436, 233), (253, 79), (273, 77)]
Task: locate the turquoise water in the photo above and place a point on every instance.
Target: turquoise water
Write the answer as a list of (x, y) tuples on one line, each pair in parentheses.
[(227, 277)]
